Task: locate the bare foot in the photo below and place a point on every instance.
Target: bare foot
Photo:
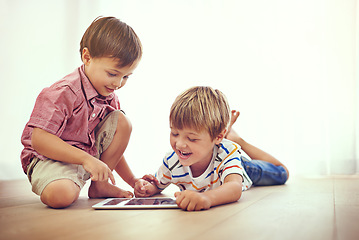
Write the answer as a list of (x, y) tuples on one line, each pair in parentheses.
[(234, 116), (107, 190)]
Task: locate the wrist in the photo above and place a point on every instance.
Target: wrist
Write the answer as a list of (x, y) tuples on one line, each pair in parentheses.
[(133, 181), (83, 157), (209, 197)]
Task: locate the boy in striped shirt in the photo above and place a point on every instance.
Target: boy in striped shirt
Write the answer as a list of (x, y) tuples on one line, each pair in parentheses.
[(205, 164)]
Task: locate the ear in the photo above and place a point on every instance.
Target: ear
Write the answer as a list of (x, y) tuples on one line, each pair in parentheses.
[(86, 56), (220, 137)]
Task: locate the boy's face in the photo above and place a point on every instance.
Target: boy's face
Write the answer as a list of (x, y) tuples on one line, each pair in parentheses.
[(104, 73), (193, 148)]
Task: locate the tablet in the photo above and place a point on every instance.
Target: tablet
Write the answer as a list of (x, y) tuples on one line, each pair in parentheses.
[(136, 203)]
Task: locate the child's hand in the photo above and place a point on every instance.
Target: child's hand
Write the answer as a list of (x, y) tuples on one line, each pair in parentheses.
[(144, 188), (150, 178), (99, 170), (191, 200)]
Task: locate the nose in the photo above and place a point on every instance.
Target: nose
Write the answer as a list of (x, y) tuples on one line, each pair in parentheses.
[(118, 83), (181, 144)]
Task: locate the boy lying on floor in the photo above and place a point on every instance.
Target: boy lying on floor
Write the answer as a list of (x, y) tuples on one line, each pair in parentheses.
[(206, 161)]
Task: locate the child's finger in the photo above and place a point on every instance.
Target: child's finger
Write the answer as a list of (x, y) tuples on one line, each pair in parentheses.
[(152, 179), (155, 180), (147, 177), (178, 197), (180, 200), (103, 177), (112, 178), (141, 185), (94, 178), (140, 193)]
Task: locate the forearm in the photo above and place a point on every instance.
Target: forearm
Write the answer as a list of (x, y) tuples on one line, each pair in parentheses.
[(226, 193), (55, 148), (229, 191), (125, 172)]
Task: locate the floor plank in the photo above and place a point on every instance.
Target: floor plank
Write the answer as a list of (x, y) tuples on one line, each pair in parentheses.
[(346, 193), (291, 213), (305, 208)]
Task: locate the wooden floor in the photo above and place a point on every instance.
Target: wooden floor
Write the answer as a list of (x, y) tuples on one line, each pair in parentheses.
[(305, 208)]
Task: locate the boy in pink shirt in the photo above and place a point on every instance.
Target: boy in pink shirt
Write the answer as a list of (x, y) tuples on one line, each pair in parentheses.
[(77, 130)]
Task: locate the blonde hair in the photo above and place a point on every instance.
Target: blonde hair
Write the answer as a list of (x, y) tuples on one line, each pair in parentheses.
[(201, 108)]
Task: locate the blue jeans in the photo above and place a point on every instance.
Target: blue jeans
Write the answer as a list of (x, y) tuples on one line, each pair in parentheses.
[(264, 173)]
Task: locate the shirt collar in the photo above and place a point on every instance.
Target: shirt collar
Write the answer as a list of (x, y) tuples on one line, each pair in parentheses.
[(89, 90)]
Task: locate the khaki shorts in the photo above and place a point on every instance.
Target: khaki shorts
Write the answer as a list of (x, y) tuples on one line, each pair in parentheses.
[(42, 172)]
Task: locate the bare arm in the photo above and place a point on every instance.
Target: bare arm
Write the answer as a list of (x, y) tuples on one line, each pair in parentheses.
[(125, 172), (55, 148), (229, 191)]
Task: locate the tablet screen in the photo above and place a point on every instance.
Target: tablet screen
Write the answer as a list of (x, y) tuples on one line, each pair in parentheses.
[(151, 201), (132, 203)]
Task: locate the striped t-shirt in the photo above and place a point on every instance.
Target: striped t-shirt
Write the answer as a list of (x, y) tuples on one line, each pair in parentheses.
[(226, 160)]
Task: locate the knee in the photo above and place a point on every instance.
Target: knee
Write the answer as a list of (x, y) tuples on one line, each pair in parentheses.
[(60, 193), (284, 177), (124, 124)]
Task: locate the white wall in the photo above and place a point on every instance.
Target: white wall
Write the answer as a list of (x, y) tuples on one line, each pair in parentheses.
[(288, 66)]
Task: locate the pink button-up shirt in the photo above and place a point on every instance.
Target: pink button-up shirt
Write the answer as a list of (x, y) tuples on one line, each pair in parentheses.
[(70, 109)]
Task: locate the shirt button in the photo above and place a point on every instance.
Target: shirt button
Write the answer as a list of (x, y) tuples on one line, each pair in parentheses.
[(93, 115)]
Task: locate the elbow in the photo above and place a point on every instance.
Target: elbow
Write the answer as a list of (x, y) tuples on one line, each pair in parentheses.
[(237, 193), (233, 184)]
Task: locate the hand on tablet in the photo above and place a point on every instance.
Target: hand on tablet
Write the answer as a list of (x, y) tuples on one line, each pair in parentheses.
[(150, 178), (145, 188), (192, 201)]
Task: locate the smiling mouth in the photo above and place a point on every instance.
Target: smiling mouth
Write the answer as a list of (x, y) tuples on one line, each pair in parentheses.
[(110, 89), (184, 155)]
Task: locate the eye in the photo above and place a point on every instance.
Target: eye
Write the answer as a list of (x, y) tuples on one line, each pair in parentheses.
[(174, 134), (192, 139), (111, 74)]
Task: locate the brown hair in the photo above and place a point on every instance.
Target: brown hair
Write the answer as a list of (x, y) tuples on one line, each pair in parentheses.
[(110, 37), (201, 108)]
